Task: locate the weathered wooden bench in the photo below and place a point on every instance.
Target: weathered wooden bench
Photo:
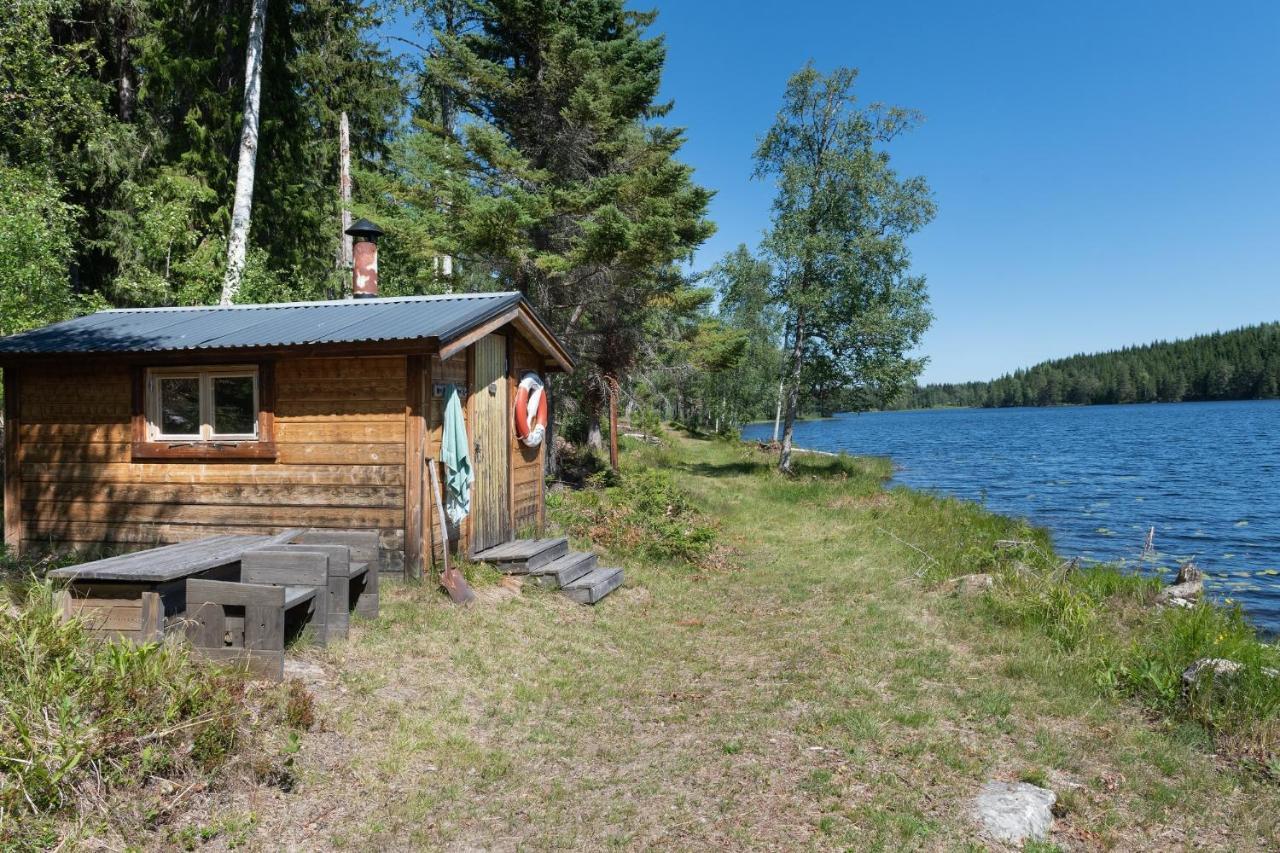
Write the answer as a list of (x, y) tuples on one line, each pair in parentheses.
[(283, 588), (363, 548), (137, 596), (347, 582), (250, 623)]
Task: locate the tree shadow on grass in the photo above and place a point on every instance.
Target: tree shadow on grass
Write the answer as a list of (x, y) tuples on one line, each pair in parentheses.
[(727, 469)]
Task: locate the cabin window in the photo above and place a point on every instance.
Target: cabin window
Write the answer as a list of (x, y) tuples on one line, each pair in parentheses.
[(213, 404)]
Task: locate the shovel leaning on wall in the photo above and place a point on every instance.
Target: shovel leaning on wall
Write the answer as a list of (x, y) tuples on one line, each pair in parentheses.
[(451, 579)]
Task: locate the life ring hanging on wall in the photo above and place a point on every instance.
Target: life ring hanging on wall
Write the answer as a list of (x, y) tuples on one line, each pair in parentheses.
[(531, 410)]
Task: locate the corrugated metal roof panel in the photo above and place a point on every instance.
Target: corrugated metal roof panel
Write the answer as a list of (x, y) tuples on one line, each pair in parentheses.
[(282, 324)]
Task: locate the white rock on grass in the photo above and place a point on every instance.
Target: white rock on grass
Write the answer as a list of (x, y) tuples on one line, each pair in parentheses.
[(973, 584), (1013, 812), (1217, 668)]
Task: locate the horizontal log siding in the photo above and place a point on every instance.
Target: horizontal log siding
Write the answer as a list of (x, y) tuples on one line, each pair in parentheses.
[(527, 480), (340, 429)]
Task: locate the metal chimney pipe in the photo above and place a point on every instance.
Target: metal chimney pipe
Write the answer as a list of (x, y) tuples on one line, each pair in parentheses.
[(364, 268)]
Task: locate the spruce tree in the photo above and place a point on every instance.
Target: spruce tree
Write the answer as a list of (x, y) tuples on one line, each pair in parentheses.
[(554, 174)]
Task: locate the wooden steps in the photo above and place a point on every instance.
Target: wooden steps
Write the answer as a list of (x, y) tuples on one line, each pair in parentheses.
[(550, 564)]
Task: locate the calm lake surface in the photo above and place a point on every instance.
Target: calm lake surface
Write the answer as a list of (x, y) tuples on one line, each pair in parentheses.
[(1205, 475)]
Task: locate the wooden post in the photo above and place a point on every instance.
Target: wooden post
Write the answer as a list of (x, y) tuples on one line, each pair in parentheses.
[(513, 442), (613, 422), (415, 425), (12, 470), (427, 545), (465, 527), (344, 190)]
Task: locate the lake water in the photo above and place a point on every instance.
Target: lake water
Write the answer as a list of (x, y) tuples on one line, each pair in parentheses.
[(1205, 475)]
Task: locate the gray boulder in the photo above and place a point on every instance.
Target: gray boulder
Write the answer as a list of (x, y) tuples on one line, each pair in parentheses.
[(1013, 812), (1186, 587)]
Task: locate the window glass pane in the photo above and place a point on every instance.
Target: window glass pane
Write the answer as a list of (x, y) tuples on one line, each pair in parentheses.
[(180, 406), (233, 409)]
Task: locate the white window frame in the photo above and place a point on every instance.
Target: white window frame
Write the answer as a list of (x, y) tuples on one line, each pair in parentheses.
[(205, 376)]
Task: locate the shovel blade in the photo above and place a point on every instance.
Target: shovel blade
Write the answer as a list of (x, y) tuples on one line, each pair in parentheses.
[(457, 587)]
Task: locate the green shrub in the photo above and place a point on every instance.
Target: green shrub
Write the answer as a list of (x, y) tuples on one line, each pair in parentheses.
[(640, 510), (73, 709)]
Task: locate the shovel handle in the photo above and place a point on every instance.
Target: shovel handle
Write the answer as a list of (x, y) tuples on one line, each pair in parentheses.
[(430, 465)]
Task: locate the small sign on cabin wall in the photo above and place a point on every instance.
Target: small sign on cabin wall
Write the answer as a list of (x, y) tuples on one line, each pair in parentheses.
[(438, 390)]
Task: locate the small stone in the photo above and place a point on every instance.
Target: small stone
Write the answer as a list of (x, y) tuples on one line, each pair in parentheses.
[(973, 584), (1013, 812)]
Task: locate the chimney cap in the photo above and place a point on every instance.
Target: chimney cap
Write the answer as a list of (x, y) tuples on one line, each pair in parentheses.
[(363, 229)]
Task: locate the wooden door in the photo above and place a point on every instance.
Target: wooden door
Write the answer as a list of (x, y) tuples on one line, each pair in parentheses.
[(491, 514)]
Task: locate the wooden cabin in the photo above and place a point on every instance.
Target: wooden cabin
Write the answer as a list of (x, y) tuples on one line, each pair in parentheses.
[(299, 415)]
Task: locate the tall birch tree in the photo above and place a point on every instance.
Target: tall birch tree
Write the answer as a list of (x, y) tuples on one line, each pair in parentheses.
[(242, 205), (837, 242)]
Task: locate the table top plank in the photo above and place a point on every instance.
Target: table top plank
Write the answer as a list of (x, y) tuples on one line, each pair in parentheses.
[(168, 563)]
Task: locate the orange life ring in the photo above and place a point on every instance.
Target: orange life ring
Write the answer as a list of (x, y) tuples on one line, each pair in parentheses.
[(530, 412)]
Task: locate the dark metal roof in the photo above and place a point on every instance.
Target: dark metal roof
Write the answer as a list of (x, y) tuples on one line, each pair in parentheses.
[(276, 325)]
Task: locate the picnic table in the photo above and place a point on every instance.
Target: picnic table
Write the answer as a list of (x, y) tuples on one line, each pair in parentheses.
[(137, 596)]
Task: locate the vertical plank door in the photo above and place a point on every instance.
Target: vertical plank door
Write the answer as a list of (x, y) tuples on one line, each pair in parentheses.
[(490, 499)]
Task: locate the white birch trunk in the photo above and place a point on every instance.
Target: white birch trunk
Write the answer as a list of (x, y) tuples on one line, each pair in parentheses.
[(777, 415), (242, 206), (344, 191), (793, 396)]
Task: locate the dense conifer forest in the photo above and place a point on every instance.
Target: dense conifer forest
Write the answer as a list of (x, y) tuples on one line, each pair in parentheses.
[(1243, 364)]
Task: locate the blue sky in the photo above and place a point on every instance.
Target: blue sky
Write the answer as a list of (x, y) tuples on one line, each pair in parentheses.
[(1105, 173)]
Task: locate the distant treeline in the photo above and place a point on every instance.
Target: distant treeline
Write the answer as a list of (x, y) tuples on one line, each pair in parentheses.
[(1243, 364)]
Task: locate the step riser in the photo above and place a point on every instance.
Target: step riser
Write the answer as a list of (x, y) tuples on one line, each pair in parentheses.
[(550, 555), (553, 576), (584, 593)]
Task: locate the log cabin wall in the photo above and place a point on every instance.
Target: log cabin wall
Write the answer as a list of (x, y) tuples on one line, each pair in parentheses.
[(340, 434)]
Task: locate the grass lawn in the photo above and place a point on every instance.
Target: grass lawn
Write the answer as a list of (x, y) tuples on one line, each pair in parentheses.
[(812, 686)]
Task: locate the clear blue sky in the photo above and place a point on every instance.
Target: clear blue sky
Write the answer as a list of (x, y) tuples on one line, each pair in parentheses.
[(1106, 173)]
